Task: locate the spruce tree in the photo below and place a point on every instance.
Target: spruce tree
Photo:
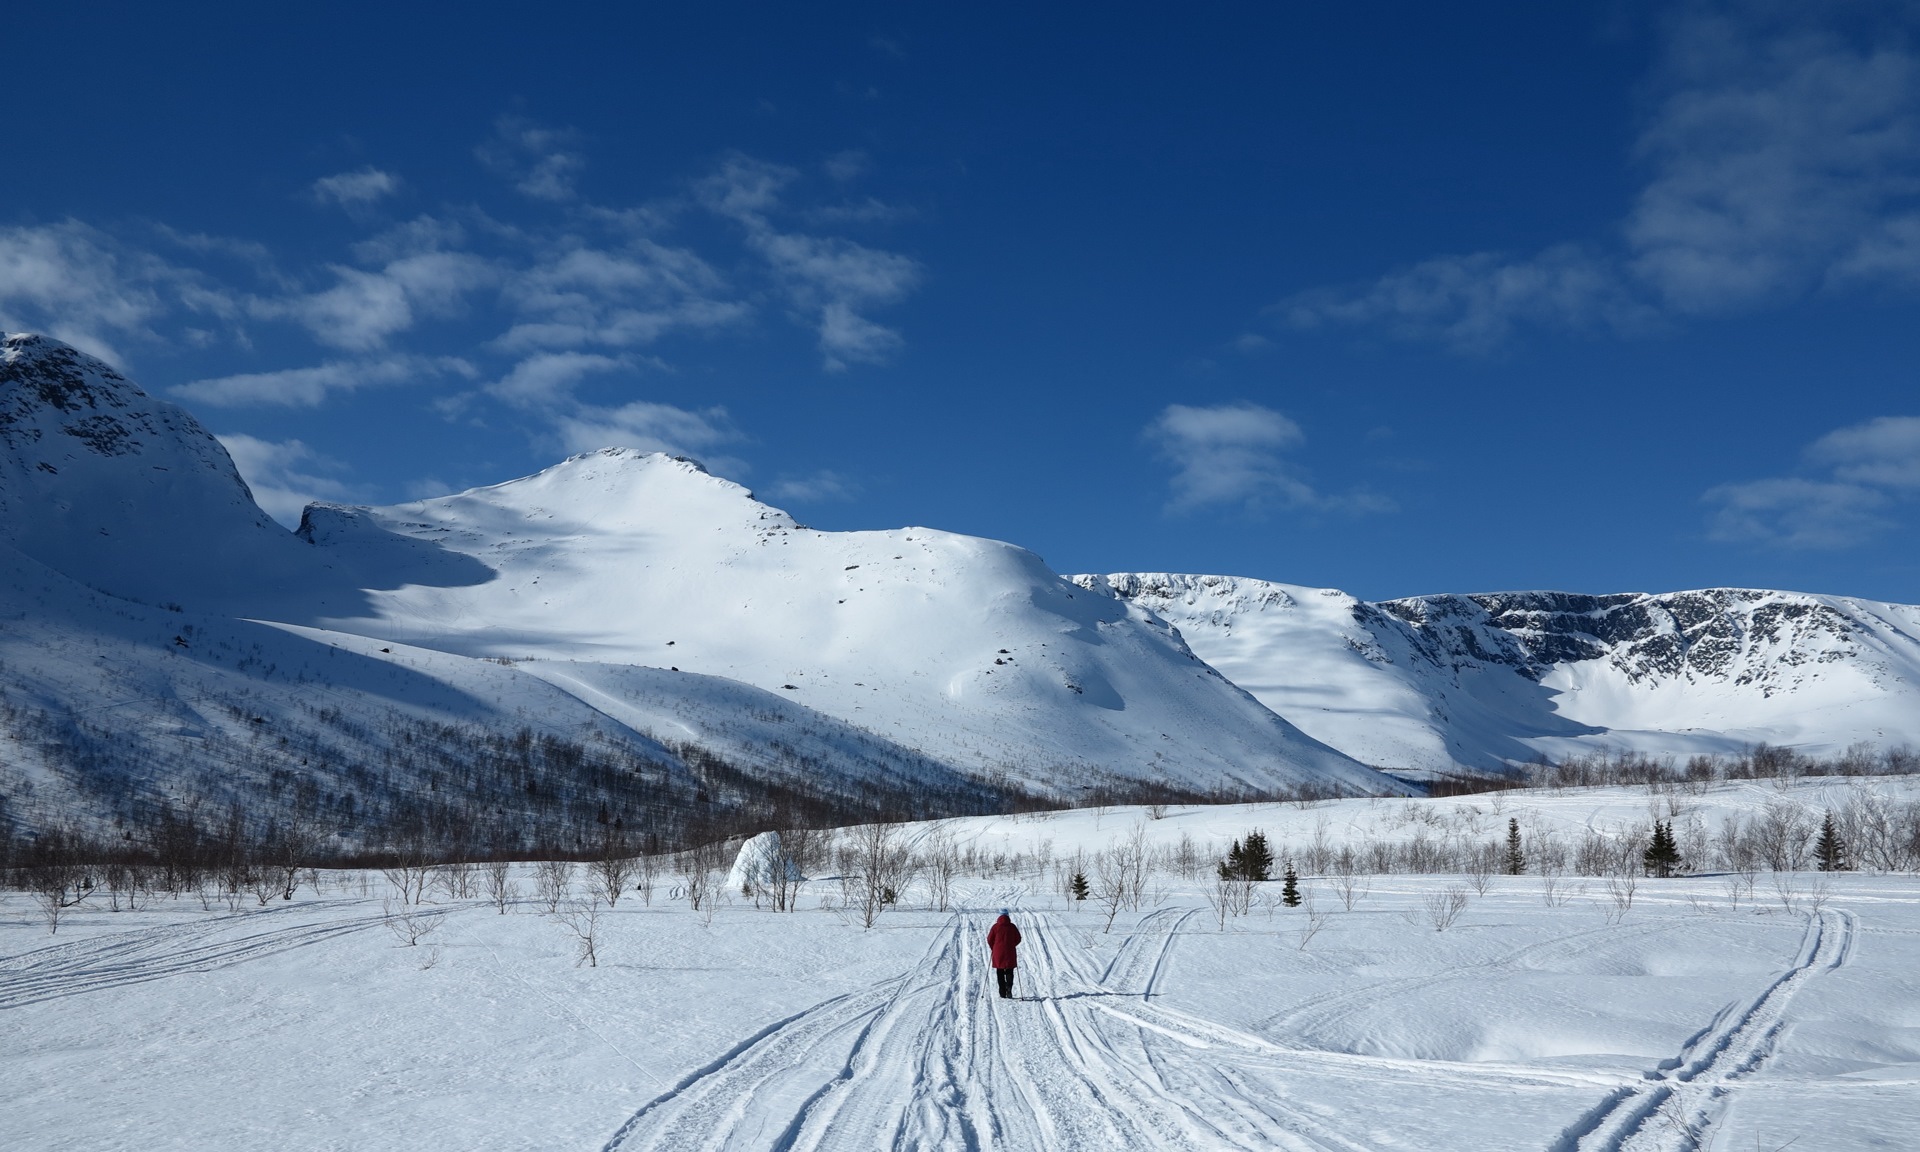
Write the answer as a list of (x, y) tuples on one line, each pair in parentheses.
[(1516, 860), (1258, 861), (1078, 886), (1290, 888), (1831, 850), (1234, 867), (1662, 857)]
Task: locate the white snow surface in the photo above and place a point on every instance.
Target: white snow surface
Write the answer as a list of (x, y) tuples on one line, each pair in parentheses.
[(617, 591), (1430, 685), (1696, 1021)]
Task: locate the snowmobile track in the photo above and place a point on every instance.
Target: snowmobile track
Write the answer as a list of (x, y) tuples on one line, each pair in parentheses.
[(934, 1060), (1675, 1110), (105, 962)]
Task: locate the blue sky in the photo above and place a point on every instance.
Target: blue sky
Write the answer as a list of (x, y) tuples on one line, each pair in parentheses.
[(1395, 298)]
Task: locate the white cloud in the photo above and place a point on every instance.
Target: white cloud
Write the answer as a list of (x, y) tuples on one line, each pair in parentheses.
[(1789, 512), (1783, 158), (1475, 302), (549, 377), (578, 296), (78, 284), (356, 189), (287, 475), (817, 488), (1883, 451), (649, 427), (541, 161), (309, 387), (827, 278), (1229, 454), (1870, 466), (363, 309)]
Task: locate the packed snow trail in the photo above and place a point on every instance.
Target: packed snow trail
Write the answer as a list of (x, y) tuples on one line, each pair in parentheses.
[(933, 1059), (1675, 1109), (102, 962)]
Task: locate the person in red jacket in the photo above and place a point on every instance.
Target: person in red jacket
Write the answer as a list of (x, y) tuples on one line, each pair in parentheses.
[(1002, 941)]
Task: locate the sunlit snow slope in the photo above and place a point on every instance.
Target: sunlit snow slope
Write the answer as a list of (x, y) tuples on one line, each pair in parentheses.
[(968, 649), (1435, 683), (153, 617)]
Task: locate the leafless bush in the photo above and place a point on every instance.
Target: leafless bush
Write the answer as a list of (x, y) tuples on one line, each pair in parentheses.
[(501, 889), (874, 868), (1230, 897), (409, 923), (940, 862), (1351, 887), (1312, 919), (1445, 907), (456, 879), (1186, 858), (551, 880), (646, 874), (609, 873), (1619, 896), (409, 875), (582, 919), (1481, 862)]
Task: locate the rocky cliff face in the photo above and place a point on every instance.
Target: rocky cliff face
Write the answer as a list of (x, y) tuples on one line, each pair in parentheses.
[(1432, 683)]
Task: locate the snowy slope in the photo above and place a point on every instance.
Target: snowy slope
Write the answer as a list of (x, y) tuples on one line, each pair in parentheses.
[(1429, 683), (153, 622), (967, 649)]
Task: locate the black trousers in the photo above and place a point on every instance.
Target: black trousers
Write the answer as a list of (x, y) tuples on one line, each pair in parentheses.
[(1005, 976)]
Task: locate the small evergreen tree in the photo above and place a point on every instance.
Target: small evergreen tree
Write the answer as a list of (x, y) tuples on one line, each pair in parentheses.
[(1516, 861), (1078, 886), (1259, 858), (1831, 850), (1662, 857), (1290, 888), (1251, 860), (1235, 865)]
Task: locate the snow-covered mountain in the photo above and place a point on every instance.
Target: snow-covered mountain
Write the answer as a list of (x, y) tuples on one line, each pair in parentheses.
[(1431, 684), (152, 615)]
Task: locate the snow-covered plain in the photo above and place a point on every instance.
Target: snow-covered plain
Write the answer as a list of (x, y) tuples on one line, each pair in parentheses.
[(1702, 1018)]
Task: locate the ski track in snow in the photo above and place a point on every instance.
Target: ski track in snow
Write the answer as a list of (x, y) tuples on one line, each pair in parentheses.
[(1083, 1059), (103, 962), (1676, 1109)]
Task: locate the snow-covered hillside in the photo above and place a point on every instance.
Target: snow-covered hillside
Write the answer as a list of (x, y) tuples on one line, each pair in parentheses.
[(1432, 683), (154, 621)]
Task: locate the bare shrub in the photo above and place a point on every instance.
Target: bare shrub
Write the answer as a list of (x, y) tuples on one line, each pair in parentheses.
[(582, 919), (940, 862), (873, 870), (551, 880), (1444, 907), (1350, 886), (501, 889), (1619, 896), (609, 872), (409, 923)]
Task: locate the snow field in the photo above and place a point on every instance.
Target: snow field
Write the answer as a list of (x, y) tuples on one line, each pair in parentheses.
[(1698, 1019)]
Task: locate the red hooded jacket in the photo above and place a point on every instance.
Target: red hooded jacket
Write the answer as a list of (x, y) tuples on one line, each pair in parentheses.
[(1002, 939)]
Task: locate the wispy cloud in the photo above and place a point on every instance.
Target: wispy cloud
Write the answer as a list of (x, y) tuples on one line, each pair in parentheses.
[(831, 279), (82, 285), (356, 189), (1782, 159), (817, 488), (542, 162), (364, 308), (287, 475), (1868, 469), (310, 387)]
